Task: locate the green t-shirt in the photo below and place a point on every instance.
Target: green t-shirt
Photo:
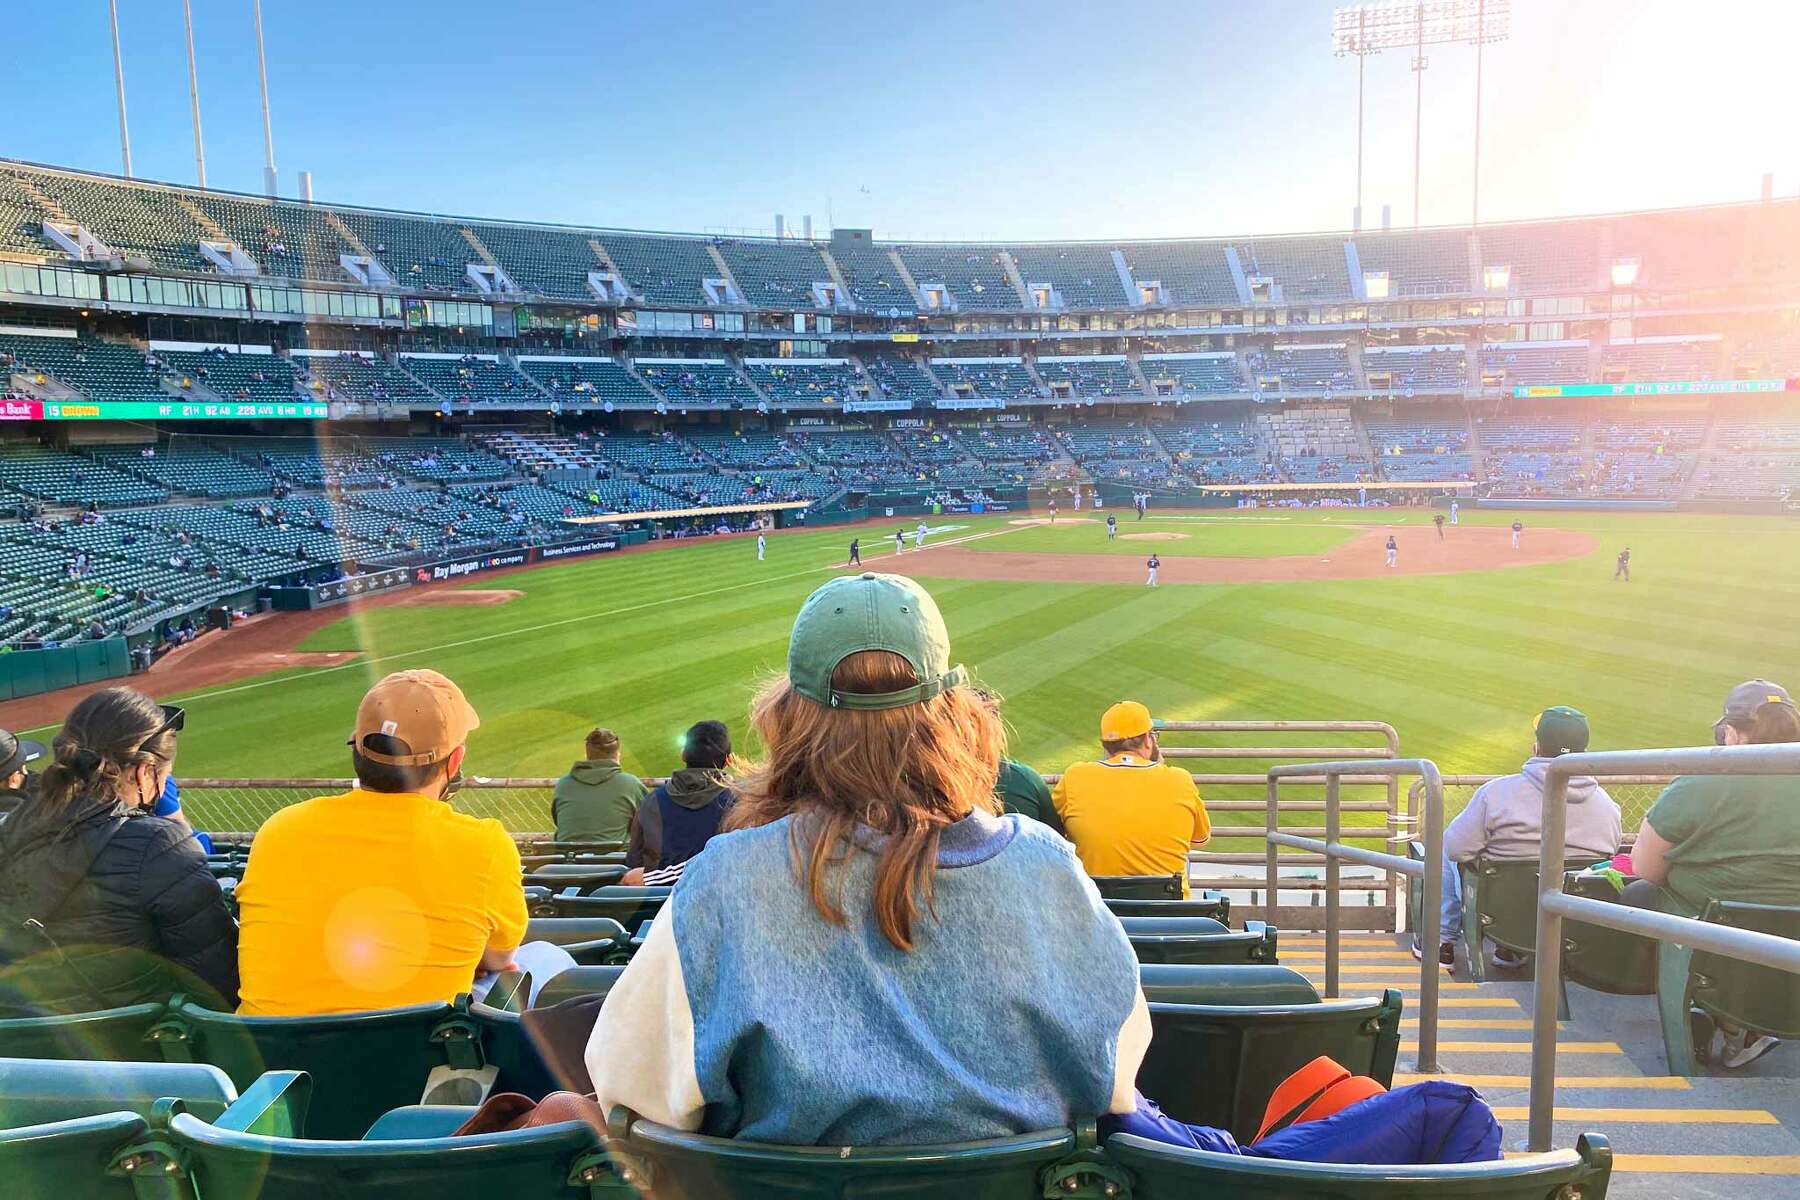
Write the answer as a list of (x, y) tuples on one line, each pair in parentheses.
[(1733, 837), (1022, 790)]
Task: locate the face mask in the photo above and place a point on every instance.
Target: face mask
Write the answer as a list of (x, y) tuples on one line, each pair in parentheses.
[(453, 785)]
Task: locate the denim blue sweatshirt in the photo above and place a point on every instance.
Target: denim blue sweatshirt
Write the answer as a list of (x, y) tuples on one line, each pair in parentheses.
[(747, 1014)]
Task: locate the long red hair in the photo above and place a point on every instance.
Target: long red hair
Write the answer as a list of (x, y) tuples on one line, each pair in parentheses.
[(905, 772)]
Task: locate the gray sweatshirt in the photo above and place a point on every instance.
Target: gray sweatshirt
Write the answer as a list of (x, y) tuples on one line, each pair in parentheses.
[(1505, 816)]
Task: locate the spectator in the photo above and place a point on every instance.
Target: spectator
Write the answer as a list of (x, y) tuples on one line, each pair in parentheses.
[(1503, 820), (1726, 837), (682, 815), (16, 756), (864, 948), (1130, 813), (596, 800), (103, 903), (1022, 790), (383, 896)]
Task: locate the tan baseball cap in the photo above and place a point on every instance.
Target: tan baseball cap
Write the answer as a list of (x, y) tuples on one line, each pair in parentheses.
[(420, 708)]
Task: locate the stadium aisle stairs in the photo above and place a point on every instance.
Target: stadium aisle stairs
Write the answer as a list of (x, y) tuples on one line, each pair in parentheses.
[(1702, 1138)]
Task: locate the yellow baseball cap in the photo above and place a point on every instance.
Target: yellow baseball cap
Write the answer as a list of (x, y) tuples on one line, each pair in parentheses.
[(1125, 720)]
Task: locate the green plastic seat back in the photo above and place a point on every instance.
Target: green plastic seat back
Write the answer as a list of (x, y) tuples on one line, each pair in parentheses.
[(577, 981), (590, 940), (1605, 959), (1505, 895), (1222, 949), (1188, 926), (1163, 1172), (1206, 983), (570, 849), (506, 1044), (69, 1160), (566, 875), (1218, 1065), (1741, 993), (34, 1091), (1216, 907), (529, 1164), (1139, 887), (630, 907), (361, 1064), (690, 1165), (112, 1033)]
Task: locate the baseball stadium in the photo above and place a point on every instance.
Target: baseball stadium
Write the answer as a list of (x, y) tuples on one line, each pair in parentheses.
[(501, 705)]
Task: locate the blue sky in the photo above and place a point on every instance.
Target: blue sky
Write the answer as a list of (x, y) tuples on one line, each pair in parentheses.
[(974, 120)]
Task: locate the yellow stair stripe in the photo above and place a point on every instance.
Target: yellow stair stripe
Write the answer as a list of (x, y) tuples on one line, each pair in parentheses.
[(1479, 1002), (1400, 984), (1523, 1047), (1522, 1023), (1400, 956), (1648, 1116), (1651, 1083), (1707, 1164)]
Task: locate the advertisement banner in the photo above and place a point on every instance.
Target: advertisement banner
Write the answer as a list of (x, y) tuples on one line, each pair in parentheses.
[(179, 410), (877, 405), (21, 410), (575, 549), (456, 568), (360, 585), (1670, 387)]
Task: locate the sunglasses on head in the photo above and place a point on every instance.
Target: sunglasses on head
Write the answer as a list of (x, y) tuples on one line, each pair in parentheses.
[(174, 721)]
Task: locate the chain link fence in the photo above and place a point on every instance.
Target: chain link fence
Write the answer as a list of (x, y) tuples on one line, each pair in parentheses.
[(236, 808), (1634, 795)]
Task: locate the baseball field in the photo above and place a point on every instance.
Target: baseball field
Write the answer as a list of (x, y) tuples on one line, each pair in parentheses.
[(1257, 615)]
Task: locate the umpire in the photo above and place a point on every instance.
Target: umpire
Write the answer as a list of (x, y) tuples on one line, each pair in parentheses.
[(16, 756)]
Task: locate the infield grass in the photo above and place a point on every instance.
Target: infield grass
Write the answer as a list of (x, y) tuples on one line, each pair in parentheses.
[(1250, 536)]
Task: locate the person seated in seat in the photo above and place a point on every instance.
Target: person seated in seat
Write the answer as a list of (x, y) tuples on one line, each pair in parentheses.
[(677, 819), (862, 958), (102, 902), (1130, 813), (1726, 837), (384, 896), (16, 756), (597, 799), (1504, 820)]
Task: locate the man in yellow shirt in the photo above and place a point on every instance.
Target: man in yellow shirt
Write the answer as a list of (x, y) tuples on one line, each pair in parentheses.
[(384, 896), (1130, 813)]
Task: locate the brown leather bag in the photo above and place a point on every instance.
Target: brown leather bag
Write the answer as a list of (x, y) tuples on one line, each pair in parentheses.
[(507, 1111)]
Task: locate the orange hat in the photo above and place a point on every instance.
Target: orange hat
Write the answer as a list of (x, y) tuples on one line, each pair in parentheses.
[(1125, 720), (421, 709)]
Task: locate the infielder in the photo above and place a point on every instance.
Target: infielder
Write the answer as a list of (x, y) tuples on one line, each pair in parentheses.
[(1518, 527), (1053, 510), (919, 536), (1438, 520), (899, 541), (1393, 551), (1453, 512), (1112, 527), (762, 546), (855, 552), (1153, 563), (1623, 569)]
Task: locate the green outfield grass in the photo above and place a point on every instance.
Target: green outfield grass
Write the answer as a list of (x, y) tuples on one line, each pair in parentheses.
[(649, 642), (1250, 536)]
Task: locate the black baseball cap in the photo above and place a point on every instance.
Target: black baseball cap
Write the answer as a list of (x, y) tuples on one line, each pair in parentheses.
[(17, 753)]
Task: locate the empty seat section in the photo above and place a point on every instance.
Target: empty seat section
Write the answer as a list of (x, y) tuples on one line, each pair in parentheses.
[(1082, 276), (974, 276), (1203, 373), (1098, 377), (100, 370), (903, 379), (775, 273), (875, 283), (662, 270), (1518, 364), (1437, 368), (583, 380), (1302, 268), (359, 377), (473, 379), (697, 382), (248, 377), (807, 383), (1421, 263), (987, 379), (1191, 273)]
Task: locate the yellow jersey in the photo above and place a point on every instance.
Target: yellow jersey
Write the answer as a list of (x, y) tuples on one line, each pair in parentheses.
[(372, 900), (1129, 816)]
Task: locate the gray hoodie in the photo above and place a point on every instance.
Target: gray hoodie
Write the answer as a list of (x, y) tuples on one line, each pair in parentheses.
[(1505, 816), (595, 802)]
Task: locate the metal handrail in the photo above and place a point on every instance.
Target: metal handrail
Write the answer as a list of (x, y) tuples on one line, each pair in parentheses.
[(1746, 945), (1334, 850)]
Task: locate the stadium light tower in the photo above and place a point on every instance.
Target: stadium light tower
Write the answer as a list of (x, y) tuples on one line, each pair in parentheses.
[(119, 82), (262, 71), (1365, 29), (187, 17)]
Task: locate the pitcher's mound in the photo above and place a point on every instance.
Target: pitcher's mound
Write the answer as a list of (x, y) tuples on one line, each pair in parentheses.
[(1058, 521), (1153, 537), (446, 598)]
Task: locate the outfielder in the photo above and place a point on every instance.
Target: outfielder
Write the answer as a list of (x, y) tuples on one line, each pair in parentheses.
[(1112, 527), (1623, 568), (762, 546), (1153, 563), (1053, 510), (1517, 528), (1453, 512), (1393, 551)]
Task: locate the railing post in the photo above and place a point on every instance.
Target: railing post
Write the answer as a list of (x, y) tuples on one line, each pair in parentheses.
[(1548, 960), (1431, 895), (1272, 853), (1333, 874)]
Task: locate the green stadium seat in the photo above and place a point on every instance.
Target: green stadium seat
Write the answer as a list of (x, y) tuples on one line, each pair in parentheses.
[(361, 1064), (592, 941), (629, 906), (1162, 1172), (578, 981), (1139, 887), (1256, 944), (561, 876), (691, 1165), (1500, 904), (1207, 904), (112, 1034), (1697, 990), (1138, 926), (416, 1121), (1605, 959), (35, 1091), (1248, 1050), (71, 1160)]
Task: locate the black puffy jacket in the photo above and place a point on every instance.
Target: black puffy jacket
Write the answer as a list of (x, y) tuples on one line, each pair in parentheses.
[(129, 911)]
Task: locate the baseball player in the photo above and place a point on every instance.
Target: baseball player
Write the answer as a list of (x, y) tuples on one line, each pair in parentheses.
[(855, 552), (1112, 527), (899, 541), (1154, 563), (1142, 502), (1453, 511), (1053, 510), (1623, 568), (1438, 520), (1077, 499), (1518, 527), (1393, 551), (762, 546), (919, 536)]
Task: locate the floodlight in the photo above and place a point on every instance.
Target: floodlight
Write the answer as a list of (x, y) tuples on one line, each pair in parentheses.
[(1496, 278), (1625, 273)]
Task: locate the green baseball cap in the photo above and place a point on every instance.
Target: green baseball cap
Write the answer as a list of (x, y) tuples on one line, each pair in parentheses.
[(1561, 730), (870, 612)]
